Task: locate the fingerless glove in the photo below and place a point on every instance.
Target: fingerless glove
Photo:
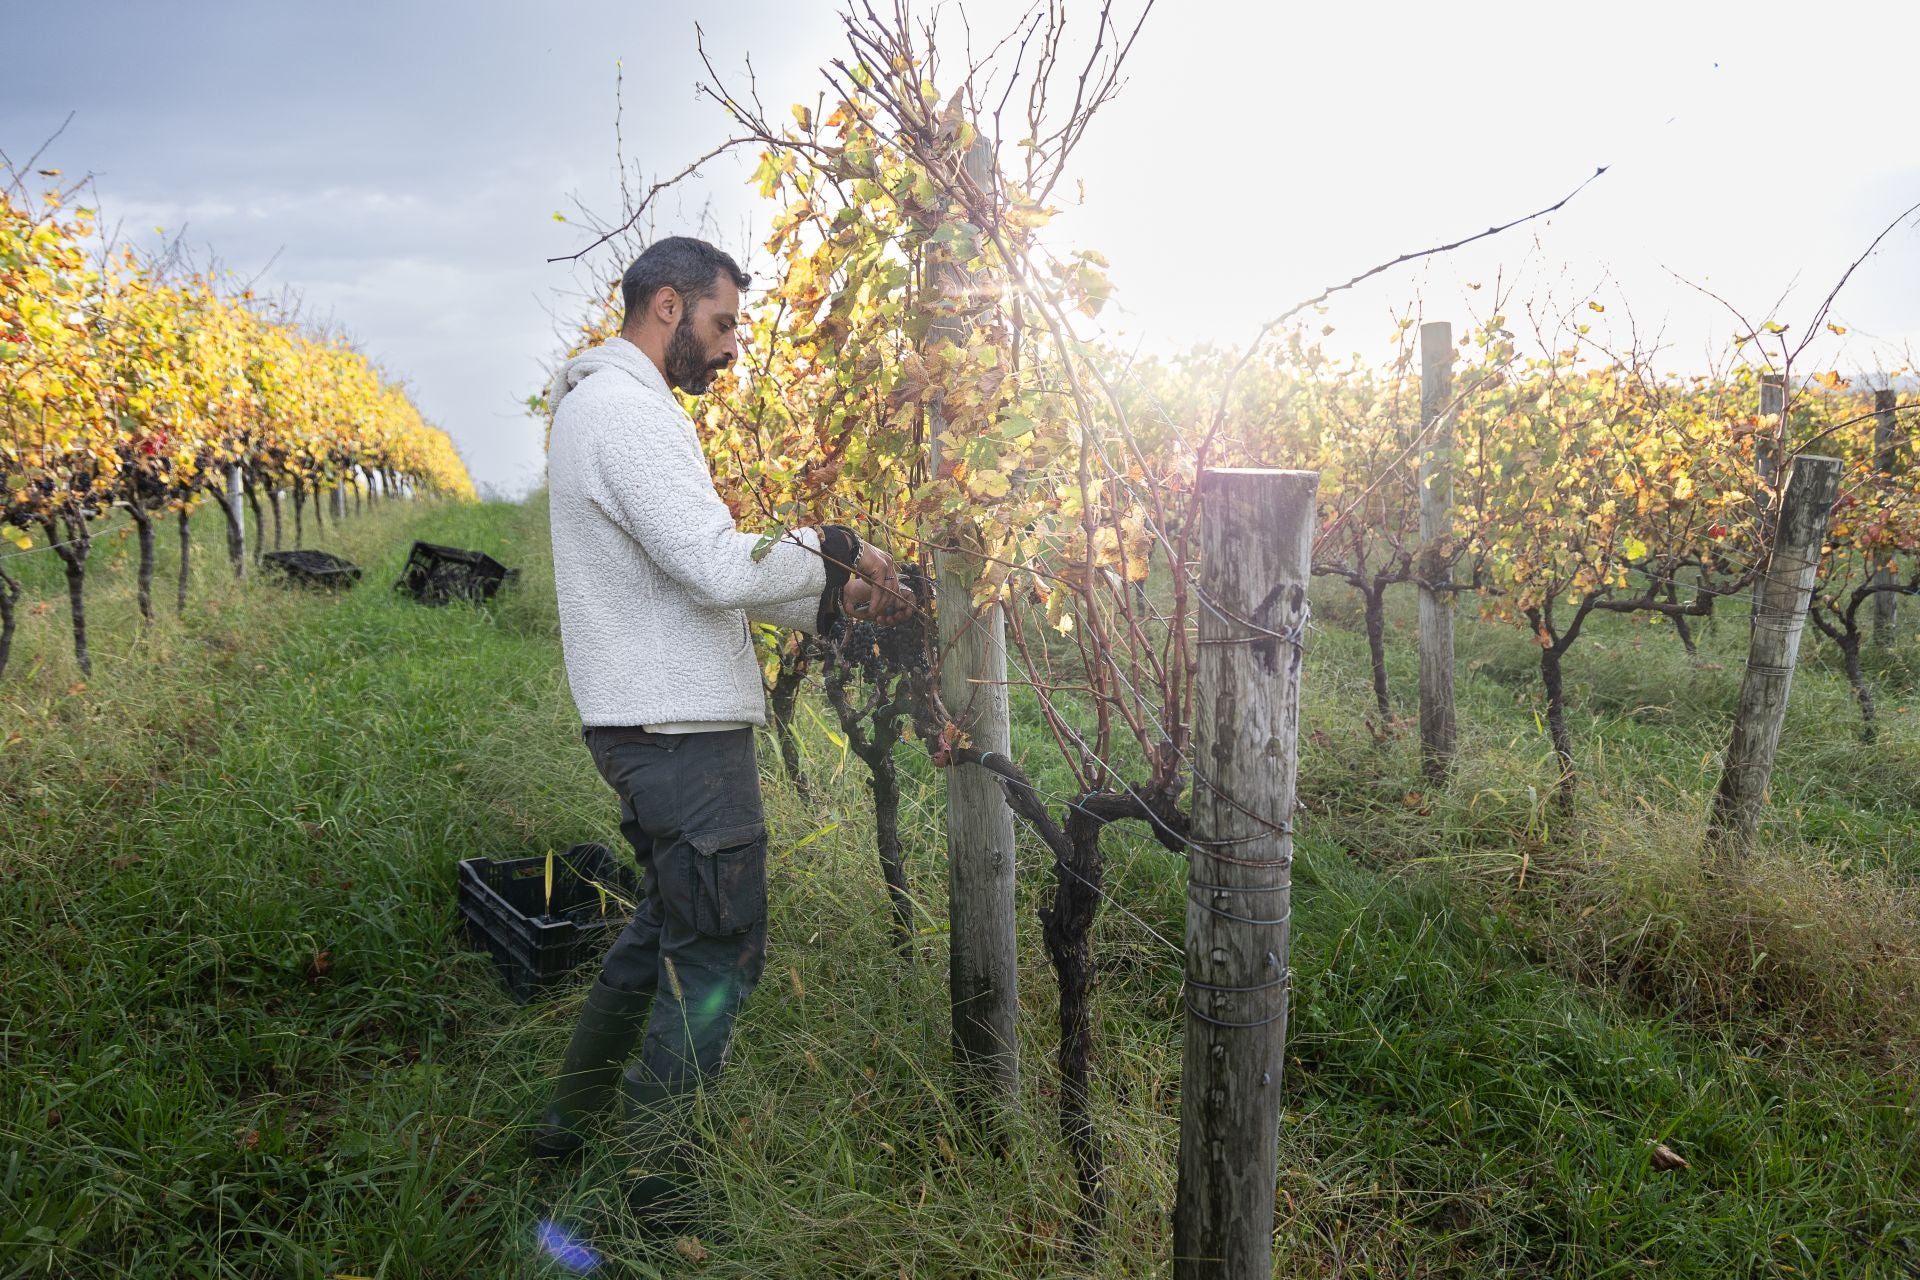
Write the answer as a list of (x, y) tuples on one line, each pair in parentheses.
[(840, 548)]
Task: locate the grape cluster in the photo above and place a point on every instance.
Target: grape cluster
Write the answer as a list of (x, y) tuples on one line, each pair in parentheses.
[(876, 652)]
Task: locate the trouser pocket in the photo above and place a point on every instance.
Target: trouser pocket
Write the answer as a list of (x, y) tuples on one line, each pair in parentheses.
[(729, 878)]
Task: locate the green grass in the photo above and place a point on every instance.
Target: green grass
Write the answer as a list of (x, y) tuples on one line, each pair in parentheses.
[(241, 1037)]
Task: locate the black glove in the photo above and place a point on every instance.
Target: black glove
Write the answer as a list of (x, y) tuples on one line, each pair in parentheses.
[(840, 548)]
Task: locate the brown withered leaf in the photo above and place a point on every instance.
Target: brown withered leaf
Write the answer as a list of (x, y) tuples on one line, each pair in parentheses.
[(1665, 1157), (690, 1248)]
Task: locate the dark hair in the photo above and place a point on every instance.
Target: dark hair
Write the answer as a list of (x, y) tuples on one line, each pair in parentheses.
[(690, 267)]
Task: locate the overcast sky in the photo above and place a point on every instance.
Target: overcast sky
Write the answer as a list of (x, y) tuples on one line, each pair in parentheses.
[(405, 160)]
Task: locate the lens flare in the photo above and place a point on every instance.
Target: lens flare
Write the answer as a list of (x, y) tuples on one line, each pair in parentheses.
[(565, 1250)]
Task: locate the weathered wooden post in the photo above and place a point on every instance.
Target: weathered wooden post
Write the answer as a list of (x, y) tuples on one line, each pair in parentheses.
[(1256, 555), (983, 975), (1438, 732), (1780, 599), (1886, 460), (1772, 436), (237, 521)]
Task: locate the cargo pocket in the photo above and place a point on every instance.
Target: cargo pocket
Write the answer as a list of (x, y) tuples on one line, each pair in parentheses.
[(730, 878)]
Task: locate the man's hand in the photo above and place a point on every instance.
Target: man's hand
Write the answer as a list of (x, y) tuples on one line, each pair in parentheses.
[(874, 592), (874, 564), (886, 603)]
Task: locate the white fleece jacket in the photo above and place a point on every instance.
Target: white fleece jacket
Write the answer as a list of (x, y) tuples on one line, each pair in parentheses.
[(655, 584)]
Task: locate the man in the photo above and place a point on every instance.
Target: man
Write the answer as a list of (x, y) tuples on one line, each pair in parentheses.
[(655, 588)]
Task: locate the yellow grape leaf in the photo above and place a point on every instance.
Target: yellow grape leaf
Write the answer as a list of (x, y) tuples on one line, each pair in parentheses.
[(988, 484), (1030, 218)]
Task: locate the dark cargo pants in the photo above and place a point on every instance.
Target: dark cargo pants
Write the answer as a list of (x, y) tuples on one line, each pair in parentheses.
[(697, 943)]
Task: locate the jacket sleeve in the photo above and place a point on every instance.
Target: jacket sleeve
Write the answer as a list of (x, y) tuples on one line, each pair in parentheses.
[(649, 477), (802, 614)]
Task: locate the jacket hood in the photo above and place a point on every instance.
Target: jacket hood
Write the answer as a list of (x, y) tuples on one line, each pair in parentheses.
[(614, 353)]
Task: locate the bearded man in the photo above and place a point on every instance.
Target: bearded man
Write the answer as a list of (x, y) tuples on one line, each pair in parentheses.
[(656, 588)]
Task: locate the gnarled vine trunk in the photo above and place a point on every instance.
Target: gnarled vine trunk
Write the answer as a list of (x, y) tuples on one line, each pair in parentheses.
[(10, 592), (1553, 678), (73, 549), (1067, 925), (186, 562), (1376, 606), (1845, 632), (1850, 654), (1681, 626), (1553, 651), (143, 523), (872, 733), (1373, 598), (883, 780), (782, 700)]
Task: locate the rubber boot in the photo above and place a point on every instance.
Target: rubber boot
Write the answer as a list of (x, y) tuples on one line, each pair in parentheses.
[(660, 1117), (610, 1025)]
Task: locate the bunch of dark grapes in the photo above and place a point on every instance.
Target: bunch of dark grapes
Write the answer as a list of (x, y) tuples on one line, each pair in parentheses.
[(877, 652)]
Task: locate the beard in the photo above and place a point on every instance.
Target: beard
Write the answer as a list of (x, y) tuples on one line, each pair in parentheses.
[(688, 366)]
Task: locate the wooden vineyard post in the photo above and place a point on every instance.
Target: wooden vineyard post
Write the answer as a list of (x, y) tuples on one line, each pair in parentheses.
[(1256, 555), (1772, 437), (1886, 454), (1780, 599), (237, 521), (983, 977), (1438, 731)]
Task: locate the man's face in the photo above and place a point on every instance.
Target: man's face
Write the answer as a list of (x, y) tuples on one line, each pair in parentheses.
[(703, 343)]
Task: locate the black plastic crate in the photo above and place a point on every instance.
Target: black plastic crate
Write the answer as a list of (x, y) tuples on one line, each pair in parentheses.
[(436, 575), (313, 568), (537, 942)]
